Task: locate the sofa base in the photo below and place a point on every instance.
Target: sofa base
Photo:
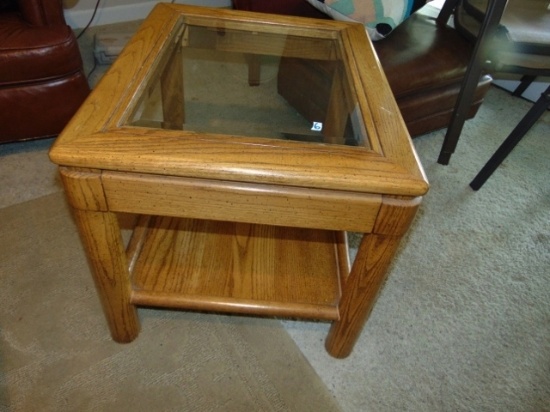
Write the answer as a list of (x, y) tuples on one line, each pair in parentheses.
[(23, 114)]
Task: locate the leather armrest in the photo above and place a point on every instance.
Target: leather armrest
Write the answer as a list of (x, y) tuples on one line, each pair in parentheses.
[(42, 12), (288, 7)]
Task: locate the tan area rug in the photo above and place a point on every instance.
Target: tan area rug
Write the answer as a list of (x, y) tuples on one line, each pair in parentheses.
[(56, 353)]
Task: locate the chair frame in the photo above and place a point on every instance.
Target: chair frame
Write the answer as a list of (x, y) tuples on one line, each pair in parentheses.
[(494, 12), (493, 15), (538, 109)]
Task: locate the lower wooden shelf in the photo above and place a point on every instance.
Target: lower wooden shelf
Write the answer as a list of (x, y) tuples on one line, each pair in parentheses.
[(238, 267)]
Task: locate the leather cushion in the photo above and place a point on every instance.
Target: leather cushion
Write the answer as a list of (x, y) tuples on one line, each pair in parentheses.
[(524, 27), (21, 46), (505, 54), (286, 7), (41, 109), (42, 12), (421, 54)]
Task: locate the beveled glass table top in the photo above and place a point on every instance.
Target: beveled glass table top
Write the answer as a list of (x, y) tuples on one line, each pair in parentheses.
[(220, 97), (220, 94)]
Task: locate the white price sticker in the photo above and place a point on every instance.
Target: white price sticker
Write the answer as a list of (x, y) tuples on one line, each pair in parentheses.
[(317, 126)]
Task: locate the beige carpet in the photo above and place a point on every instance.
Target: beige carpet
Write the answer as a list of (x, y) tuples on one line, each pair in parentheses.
[(56, 353), (463, 323)]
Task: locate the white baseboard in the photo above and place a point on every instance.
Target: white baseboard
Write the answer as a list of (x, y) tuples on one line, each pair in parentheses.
[(118, 14)]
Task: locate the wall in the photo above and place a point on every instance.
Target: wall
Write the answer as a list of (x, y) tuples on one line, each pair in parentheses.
[(79, 12)]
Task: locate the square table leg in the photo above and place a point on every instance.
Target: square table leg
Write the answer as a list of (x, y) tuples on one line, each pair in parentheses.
[(171, 83), (101, 236), (368, 273)]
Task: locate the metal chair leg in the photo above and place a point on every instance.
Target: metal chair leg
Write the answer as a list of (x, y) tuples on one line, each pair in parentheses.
[(525, 82), (495, 9), (541, 105)]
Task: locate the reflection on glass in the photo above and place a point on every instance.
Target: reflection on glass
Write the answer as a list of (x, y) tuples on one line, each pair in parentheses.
[(240, 83)]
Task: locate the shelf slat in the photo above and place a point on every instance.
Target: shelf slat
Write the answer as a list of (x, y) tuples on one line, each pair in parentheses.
[(243, 268)]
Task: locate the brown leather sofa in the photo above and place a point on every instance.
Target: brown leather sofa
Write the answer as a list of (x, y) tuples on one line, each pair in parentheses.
[(424, 62), (42, 82)]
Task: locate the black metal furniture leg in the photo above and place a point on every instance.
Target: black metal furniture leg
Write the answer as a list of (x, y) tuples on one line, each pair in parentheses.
[(495, 9), (542, 104), (525, 82)]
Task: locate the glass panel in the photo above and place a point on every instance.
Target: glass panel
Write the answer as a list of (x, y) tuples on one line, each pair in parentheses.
[(241, 83)]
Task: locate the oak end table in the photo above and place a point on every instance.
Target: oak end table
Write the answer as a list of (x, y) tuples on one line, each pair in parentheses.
[(242, 201)]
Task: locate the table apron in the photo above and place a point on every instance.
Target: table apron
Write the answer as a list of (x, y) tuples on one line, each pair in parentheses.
[(240, 202)]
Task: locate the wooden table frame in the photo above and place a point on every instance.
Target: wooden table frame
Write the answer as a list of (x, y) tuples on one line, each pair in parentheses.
[(237, 197)]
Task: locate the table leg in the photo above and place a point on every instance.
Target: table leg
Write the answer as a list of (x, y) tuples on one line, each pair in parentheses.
[(368, 274), (254, 69), (171, 83), (104, 247), (102, 240), (338, 110)]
